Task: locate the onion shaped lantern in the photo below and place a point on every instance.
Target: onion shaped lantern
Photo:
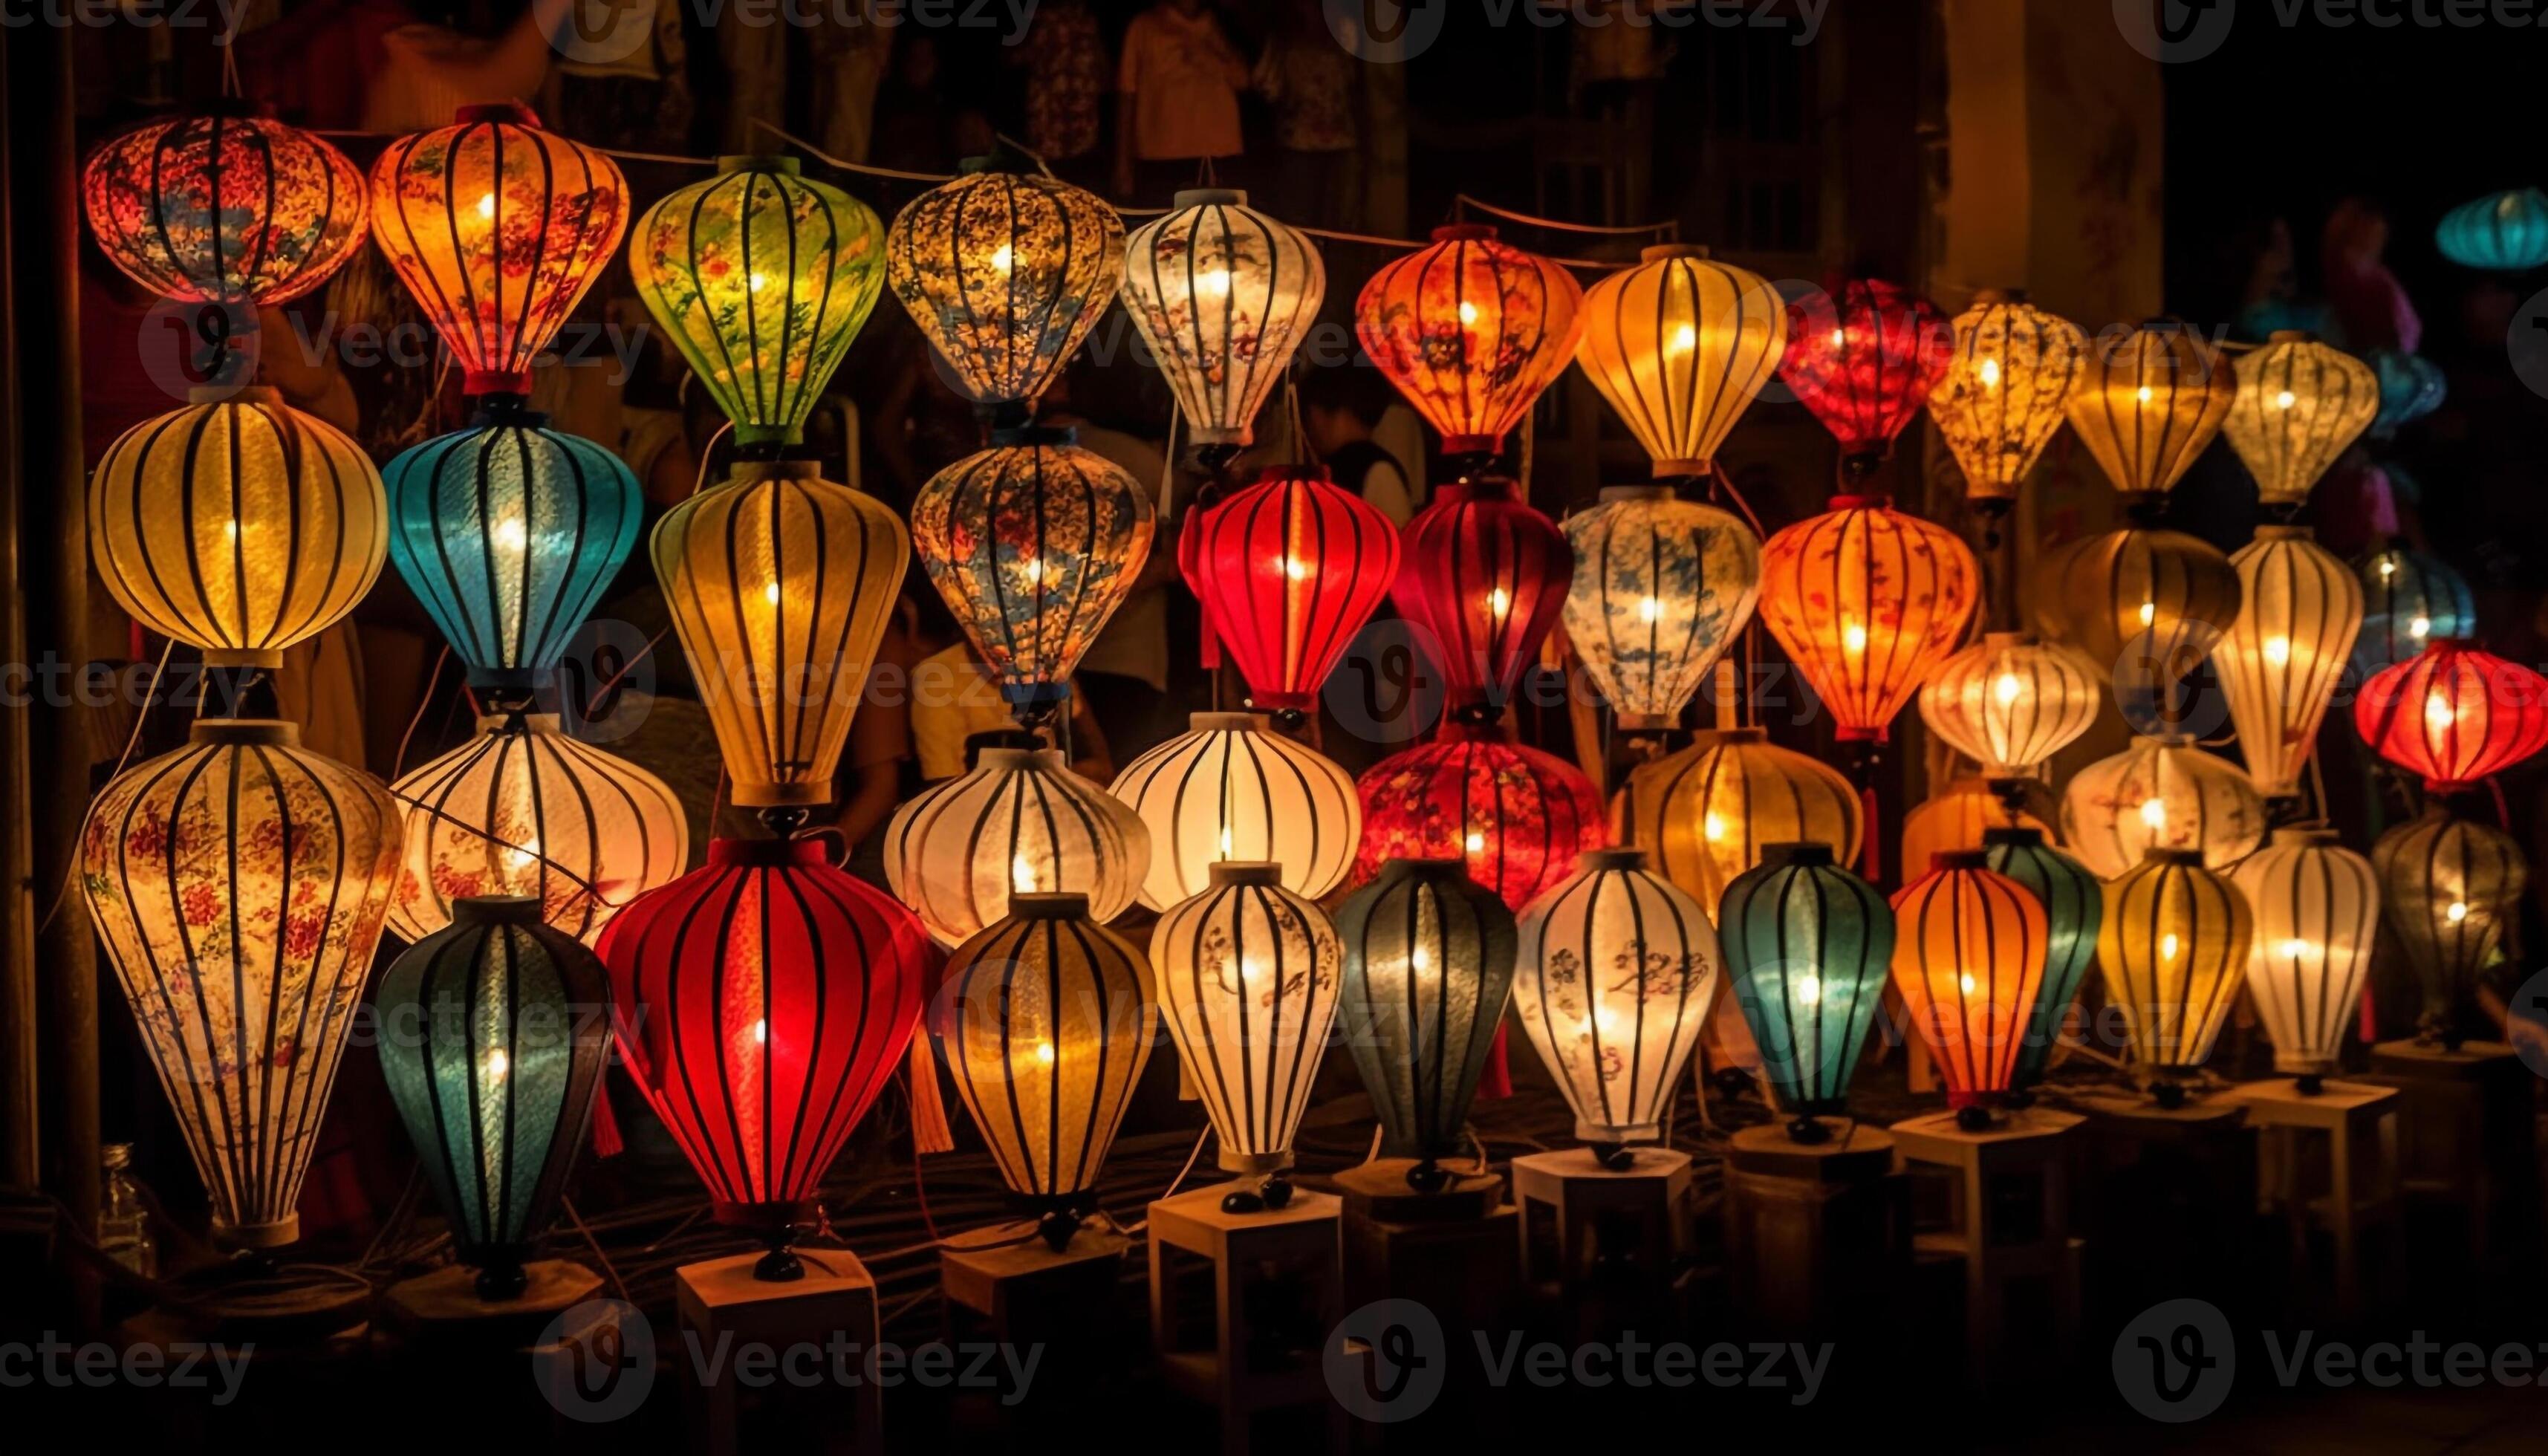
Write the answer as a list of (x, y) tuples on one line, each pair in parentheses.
[(2145, 604), (2162, 792), (2150, 402), (239, 885), (2006, 386), (1661, 588), (2409, 600), (221, 209), (1288, 571), (2174, 950), (1472, 331), (2507, 232), (1864, 362), (2411, 388), (1868, 602), (494, 1064), (1968, 960), (1485, 578), (2279, 663), (1223, 294), (2450, 889), (2454, 715), (1229, 789), (2009, 702), (1005, 274), (1515, 816), (1021, 823), (2301, 405), (2074, 907), (1807, 948), (1680, 347), (1708, 814), (2318, 913), (1960, 817)]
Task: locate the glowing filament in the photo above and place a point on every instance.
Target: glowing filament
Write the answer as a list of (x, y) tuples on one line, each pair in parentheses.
[(2278, 650), (2154, 813), (2006, 689)]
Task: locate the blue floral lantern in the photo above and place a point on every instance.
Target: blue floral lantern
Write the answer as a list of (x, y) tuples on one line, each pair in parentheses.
[(2411, 388), (2409, 600), (2506, 232)]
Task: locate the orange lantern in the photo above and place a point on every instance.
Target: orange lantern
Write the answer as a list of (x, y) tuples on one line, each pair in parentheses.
[(1968, 954), (1471, 331), (1962, 817), (1868, 602)]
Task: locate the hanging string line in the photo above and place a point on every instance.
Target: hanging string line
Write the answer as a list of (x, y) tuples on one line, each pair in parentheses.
[(1463, 204)]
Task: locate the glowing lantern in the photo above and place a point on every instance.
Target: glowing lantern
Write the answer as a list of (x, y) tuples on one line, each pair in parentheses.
[(2073, 909), (2001, 402), (522, 810), (223, 209), (1864, 363), (2454, 715), (1969, 960), (1707, 814), (237, 524), (1428, 967), (2174, 951), (1808, 945), (2151, 602), (2451, 891), (1020, 824), (1661, 588), (2160, 794), (1288, 571), (2010, 702), (1515, 816), (762, 278), (1231, 791), (2280, 665), (497, 227), (2409, 600), (1047, 1021), (2301, 405), (1484, 576), (2507, 232), (238, 884), (2411, 388), (2149, 404), (761, 1002), (509, 532), (2318, 910), (1222, 294), (1868, 602), (494, 1068), (1472, 331), (1032, 543), (1005, 274), (1617, 976), (1960, 818), (1681, 346)]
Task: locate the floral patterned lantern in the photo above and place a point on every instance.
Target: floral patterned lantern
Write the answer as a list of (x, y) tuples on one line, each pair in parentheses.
[(1707, 815), (1231, 790), (2163, 793), (1005, 273), (2454, 715), (1288, 571), (1868, 602), (1472, 331), (2280, 665), (2002, 398), (1680, 347), (1515, 816), (1021, 823), (2301, 405), (1864, 362), (1661, 588), (1222, 294)]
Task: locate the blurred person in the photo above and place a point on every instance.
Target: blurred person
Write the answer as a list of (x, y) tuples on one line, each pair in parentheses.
[(1066, 68), (1178, 79), (1341, 408), (1316, 92), (1124, 676), (2370, 304), (955, 699)]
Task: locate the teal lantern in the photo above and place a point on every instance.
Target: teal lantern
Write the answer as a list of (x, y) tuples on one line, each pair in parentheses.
[(2507, 232), (492, 1047), (2411, 388), (509, 532), (1808, 945), (2409, 600), (2073, 909)]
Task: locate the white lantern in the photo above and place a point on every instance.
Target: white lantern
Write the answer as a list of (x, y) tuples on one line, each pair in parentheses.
[(2316, 909), (2281, 660), (1021, 823), (1231, 790), (2160, 794), (1222, 294), (2009, 702)]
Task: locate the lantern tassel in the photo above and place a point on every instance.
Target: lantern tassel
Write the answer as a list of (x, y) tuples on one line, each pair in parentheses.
[(929, 1130), (1874, 867), (1495, 1084), (607, 1140)]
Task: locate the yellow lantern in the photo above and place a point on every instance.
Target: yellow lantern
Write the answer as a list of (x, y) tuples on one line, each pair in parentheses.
[(2145, 605), (2162, 792), (2301, 404), (1005, 274), (1661, 588), (2001, 403), (1231, 790), (2174, 950), (2280, 665), (2009, 702), (1020, 824), (1222, 294), (1680, 347), (2148, 403), (2316, 906), (1957, 818), (1705, 815), (2451, 890)]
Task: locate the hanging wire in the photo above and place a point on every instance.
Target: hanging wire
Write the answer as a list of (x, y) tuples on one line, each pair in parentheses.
[(1463, 204)]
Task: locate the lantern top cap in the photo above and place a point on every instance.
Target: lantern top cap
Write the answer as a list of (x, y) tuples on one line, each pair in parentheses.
[(1802, 855), (1601, 861), (2192, 859), (1984, 298), (495, 910), (756, 161), (1004, 755), (1727, 736), (1959, 859), (1048, 907), (1842, 504), (1636, 492), (2307, 835), (491, 723), (766, 853), (1211, 197), (754, 471), (1667, 252), (1009, 738), (1485, 485), (245, 733), (1399, 869), (506, 112), (1226, 723), (2290, 337), (1245, 871), (2277, 531), (1276, 475), (1465, 232), (2167, 740), (1029, 436), (2014, 836), (261, 396)]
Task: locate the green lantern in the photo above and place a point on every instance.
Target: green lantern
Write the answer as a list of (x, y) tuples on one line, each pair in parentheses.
[(1809, 946), (2074, 910)]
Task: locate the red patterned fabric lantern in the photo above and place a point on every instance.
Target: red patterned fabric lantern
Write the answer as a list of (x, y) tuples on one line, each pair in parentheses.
[(223, 209), (2454, 715), (1865, 360), (1487, 576), (1287, 571), (1517, 816), (1472, 331), (1868, 602)]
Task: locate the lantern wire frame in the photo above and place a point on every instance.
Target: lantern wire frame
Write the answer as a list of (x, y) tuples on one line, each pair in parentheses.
[(1661, 588), (2450, 892), (2011, 701), (2149, 404), (2281, 663), (1807, 948), (1515, 816), (1709, 813), (2453, 715), (1680, 347), (1005, 273), (2316, 905), (1223, 294), (1288, 572), (2145, 603), (1482, 580), (1864, 362), (2409, 600), (1969, 959), (1869, 602), (2074, 909), (2161, 792), (224, 209), (2301, 405), (1020, 823)]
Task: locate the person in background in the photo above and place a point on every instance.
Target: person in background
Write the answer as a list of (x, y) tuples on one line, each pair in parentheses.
[(953, 697), (2369, 303), (1339, 409), (1124, 677), (911, 111), (1315, 89), (1066, 62), (1179, 78)]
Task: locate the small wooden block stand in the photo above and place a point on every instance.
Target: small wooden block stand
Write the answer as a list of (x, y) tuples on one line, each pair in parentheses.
[(720, 1301), (1452, 1250), (2008, 1220), (1817, 1235), (436, 1328), (1579, 1220), (445, 1306), (1277, 1288), (2168, 1199), (2351, 1193), (1025, 1292), (2468, 1144)]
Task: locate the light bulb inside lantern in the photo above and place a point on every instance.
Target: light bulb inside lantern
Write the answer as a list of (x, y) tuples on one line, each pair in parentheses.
[(1809, 991), (1991, 373), (2294, 949), (2419, 626), (498, 1063), (2150, 612), (1477, 843), (487, 205), (1213, 284), (2284, 401), (1964, 983), (1468, 315), (2388, 569), (1003, 260), (2168, 945), (2146, 395), (2438, 713), (770, 593), (2154, 813), (1021, 874), (1683, 340), (1854, 637), (1713, 827), (1650, 609), (1500, 602), (2278, 650), (1044, 1054), (2006, 689), (2457, 912)]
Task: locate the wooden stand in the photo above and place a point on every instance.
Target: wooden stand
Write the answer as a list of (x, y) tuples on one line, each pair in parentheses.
[(1817, 1235), (720, 1301), (1027, 1292), (1452, 1250), (1581, 1221), (445, 1306), (438, 1331), (2168, 1200), (2468, 1150), (2007, 1219), (2351, 1194), (1277, 1288)]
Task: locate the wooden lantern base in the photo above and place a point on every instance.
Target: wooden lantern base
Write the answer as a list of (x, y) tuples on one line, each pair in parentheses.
[(2167, 1200), (1818, 1234), (1582, 1220), (2328, 1164), (1451, 1250), (445, 1306), (1027, 1292), (723, 1306), (2467, 1152), (2006, 1219), (1277, 1280)]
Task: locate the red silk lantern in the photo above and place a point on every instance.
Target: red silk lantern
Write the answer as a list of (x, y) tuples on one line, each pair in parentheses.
[(1517, 816), (761, 1002), (1487, 576), (1865, 360), (1868, 602), (223, 209), (2454, 715), (1472, 331), (1288, 570)]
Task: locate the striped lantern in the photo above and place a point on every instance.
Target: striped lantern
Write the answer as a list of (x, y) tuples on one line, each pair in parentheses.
[(1482, 580), (1680, 347), (2411, 387), (2504, 232), (2281, 663), (2454, 715), (1021, 823), (1288, 571), (1517, 817), (2145, 604), (2009, 702), (1968, 960), (2301, 405), (1661, 588), (2317, 914), (1222, 294), (1868, 602), (1808, 945), (1472, 331), (1231, 789), (2149, 404), (2450, 890), (2001, 402), (2409, 600), (223, 209), (2074, 910), (1864, 362), (2174, 949), (1005, 273), (2161, 792), (1705, 815)]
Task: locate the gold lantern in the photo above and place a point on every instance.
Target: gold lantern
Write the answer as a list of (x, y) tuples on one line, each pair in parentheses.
[(1680, 347), (2451, 890), (2279, 663), (2145, 604), (1021, 823), (2161, 792), (2001, 403), (2009, 702), (2301, 404), (1957, 818), (2316, 906), (1231, 790), (1705, 815), (1661, 587), (2174, 950), (1005, 274), (1222, 294), (2148, 403)]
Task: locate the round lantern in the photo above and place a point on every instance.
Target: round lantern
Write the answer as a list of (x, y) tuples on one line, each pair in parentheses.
[(2454, 715), (2001, 402), (2145, 604), (237, 524), (1231, 790), (2451, 891), (1032, 543), (1661, 587), (2073, 909), (1250, 976), (1864, 362), (2150, 401), (239, 885), (223, 209), (1808, 945), (761, 277), (1707, 814), (1472, 331), (1005, 274), (2411, 388), (2163, 793), (1515, 816), (522, 810), (1047, 1021), (494, 1065), (1288, 571), (2409, 600), (2010, 702), (497, 227), (1680, 347), (1868, 602), (2507, 232), (509, 532), (780, 585), (2318, 910), (1021, 823), (1969, 961), (1617, 976), (1223, 294), (2279, 663), (761, 1002), (2301, 405), (1959, 818), (1484, 578), (2174, 951), (1428, 967)]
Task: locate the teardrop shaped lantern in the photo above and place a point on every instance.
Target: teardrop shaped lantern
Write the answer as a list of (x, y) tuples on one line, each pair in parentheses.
[(2174, 950), (2454, 715), (2009, 702), (1250, 977), (1680, 347), (1232, 790), (2411, 388), (761, 277), (2150, 402), (1661, 587), (1288, 571), (1021, 823), (1864, 362), (239, 885), (2301, 405), (2002, 400), (1483, 578), (1472, 331), (2145, 605), (1429, 958), (1515, 816), (1969, 960), (497, 227), (780, 584), (1005, 273), (2409, 600), (1868, 602), (2318, 913), (494, 1062), (2162, 792), (2074, 907), (2280, 665), (761, 1004), (2450, 889), (1708, 814), (237, 524), (1223, 294), (1807, 948), (1619, 973), (1047, 1021), (2504, 233), (1960, 817), (1032, 543), (509, 532), (223, 209), (522, 810)]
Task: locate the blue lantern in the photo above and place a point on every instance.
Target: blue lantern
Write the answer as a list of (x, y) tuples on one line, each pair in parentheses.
[(1808, 945), (2409, 600), (2073, 909), (2507, 232), (2411, 388)]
